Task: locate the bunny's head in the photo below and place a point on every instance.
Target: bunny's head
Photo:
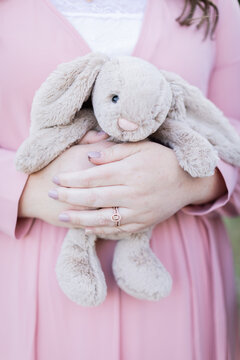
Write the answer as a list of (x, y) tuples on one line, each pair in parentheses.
[(131, 98)]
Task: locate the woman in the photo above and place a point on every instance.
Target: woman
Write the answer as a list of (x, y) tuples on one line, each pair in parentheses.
[(198, 319)]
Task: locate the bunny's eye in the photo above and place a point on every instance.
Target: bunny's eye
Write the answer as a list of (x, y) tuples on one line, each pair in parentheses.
[(115, 99)]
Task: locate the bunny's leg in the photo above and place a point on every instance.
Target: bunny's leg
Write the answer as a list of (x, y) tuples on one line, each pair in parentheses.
[(79, 271), (138, 271), (194, 152), (46, 144)]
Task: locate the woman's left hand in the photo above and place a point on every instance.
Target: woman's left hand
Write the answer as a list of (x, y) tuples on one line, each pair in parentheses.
[(145, 182)]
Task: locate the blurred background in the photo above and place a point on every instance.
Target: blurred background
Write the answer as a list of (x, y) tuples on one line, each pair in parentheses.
[(233, 227)]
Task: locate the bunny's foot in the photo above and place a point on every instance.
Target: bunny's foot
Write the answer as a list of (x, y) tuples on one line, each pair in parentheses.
[(79, 271), (138, 271)]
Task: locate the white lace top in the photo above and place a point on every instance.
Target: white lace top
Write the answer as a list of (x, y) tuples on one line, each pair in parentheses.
[(109, 26)]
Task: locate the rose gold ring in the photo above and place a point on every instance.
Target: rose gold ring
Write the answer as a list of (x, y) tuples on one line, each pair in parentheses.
[(116, 217)]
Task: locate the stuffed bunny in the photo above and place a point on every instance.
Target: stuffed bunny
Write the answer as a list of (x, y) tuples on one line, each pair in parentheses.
[(131, 100)]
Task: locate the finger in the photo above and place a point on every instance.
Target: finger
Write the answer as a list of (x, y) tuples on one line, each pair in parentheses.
[(100, 197), (115, 153), (123, 230), (95, 218), (105, 175), (93, 136), (80, 208)]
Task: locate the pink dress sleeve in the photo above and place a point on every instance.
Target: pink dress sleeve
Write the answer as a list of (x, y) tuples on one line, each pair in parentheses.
[(12, 184), (224, 90)]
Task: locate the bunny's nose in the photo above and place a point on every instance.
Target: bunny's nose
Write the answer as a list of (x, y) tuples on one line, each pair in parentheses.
[(127, 125)]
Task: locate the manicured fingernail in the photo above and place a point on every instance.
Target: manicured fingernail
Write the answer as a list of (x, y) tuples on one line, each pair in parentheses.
[(94, 154), (53, 194), (55, 179), (100, 133), (64, 217)]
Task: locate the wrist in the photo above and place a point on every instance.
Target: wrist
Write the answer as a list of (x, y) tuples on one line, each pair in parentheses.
[(22, 207), (28, 201), (206, 189)]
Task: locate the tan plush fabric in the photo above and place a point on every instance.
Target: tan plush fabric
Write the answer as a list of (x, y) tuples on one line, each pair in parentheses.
[(149, 103)]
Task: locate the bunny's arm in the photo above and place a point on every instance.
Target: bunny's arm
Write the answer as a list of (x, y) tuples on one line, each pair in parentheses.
[(46, 144), (194, 153)]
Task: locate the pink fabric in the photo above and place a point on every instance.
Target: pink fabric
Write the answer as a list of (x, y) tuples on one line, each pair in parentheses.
[(199, 319)]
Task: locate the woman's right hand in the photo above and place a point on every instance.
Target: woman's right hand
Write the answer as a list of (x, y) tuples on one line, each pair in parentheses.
[(35, 202)]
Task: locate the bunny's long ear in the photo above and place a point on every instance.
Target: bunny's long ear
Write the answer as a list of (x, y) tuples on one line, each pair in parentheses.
[(64, 91), (40, 148), (191, 106)]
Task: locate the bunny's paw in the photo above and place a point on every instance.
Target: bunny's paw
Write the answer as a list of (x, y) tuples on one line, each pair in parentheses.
[(198, 161)]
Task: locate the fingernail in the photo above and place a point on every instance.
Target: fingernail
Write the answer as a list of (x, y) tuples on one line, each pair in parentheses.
[(53, 194), (101, 133), (64, 217), (94, 155), (55, 179)]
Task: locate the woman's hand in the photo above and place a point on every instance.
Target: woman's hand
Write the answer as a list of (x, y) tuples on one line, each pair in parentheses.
[(143, 179), (35, 202)]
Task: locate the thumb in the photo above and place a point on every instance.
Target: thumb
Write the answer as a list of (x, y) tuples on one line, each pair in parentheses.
[(114, 153)]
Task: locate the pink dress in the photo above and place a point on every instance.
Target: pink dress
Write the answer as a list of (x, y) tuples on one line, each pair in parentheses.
[(198, 321)]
